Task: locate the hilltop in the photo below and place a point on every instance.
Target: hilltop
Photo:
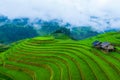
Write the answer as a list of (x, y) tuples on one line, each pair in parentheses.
[(47, 58)]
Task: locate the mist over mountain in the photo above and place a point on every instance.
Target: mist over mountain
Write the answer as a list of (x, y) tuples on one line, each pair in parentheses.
[(15, 29), (101, 15)]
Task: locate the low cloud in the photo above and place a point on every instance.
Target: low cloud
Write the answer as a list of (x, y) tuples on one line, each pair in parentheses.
[(100, 14)]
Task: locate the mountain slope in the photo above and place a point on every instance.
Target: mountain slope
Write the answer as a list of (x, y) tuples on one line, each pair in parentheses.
[(46, 58)]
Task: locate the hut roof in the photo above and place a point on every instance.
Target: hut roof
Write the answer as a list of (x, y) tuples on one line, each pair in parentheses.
[(95, 43), (104, 44)]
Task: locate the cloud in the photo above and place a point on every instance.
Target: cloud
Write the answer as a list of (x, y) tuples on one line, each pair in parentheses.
[(76, 12)]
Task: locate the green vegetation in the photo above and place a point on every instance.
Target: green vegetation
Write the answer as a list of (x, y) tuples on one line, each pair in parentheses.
[(46, 58), (82, 32), (3, 47), (44, 38)]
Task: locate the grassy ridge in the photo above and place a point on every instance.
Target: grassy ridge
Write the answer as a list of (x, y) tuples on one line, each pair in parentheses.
[(44, 58)]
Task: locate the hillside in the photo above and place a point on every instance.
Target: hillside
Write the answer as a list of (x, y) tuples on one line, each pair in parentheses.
[(46, 58)]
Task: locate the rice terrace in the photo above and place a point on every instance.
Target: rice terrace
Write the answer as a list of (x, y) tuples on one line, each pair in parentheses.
[(59, 39), (46, 58)]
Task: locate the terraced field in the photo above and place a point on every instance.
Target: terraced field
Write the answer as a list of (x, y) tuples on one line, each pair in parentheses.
[(46, 58)]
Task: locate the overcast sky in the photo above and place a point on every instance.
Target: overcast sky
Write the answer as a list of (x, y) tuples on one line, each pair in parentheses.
[(77, 12)]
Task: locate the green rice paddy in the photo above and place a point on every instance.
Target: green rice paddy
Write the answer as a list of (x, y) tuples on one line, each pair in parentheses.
[(46, 58)]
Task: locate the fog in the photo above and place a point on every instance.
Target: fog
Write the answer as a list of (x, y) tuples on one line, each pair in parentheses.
[(100, 14)]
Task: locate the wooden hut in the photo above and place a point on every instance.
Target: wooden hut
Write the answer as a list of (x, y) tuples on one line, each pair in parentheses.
[(106, 46)]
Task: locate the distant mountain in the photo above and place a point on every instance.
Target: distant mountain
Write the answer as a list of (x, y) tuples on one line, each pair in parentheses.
[(11, 33), (20, 28)]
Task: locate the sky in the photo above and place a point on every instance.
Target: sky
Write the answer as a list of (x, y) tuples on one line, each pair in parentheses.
[(100, 14)]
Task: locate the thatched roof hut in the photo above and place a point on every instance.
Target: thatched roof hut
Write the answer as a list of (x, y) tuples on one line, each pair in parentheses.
[(104, 46)]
